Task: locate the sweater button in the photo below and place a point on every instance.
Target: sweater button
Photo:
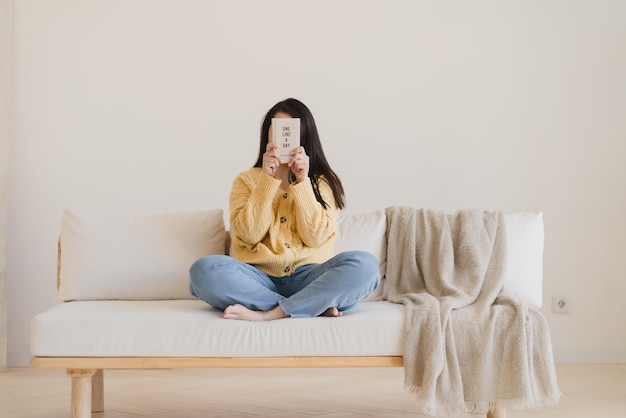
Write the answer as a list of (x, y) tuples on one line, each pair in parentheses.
[(287, 269), (285, 196), (287, 245), (283, 219)]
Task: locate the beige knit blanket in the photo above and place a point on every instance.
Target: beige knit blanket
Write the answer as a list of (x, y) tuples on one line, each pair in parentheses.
[(466, 348)]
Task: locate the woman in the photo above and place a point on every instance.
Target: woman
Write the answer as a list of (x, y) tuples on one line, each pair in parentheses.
[(283, 216)]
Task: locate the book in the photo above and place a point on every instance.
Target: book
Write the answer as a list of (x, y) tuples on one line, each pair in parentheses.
[(286, 133)]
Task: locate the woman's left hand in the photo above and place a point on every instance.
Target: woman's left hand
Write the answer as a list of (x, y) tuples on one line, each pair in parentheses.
[(299, 164)]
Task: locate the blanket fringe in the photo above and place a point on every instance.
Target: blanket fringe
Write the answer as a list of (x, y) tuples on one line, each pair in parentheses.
[(481, 407)]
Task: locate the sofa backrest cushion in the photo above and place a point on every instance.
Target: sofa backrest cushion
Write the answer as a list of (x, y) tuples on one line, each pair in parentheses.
[(142, 257), (368, 232), (147, 257), (523, 277)]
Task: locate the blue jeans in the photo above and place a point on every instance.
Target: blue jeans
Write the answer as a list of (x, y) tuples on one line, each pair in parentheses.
[(340, 282)]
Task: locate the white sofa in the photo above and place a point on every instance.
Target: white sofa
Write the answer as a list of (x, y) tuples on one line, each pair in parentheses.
[(123, 284)]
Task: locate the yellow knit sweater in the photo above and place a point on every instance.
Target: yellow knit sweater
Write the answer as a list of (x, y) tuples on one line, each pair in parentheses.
[(279, 230)]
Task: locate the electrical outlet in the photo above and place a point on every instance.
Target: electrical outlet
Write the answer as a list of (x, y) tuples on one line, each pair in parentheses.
[(561, 304)]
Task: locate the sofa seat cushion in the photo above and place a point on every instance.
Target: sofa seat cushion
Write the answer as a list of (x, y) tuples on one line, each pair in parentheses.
[(191, 328)]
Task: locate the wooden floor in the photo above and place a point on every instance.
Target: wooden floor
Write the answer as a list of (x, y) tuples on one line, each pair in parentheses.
[(590, 391)]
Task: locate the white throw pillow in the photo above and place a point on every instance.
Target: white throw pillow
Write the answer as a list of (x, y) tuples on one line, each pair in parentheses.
[(366, 232), (140, 257), (523, 278)]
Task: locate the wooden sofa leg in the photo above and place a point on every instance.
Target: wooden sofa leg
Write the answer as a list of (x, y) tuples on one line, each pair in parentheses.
[(81, 392), (497, 413), (97, 391)]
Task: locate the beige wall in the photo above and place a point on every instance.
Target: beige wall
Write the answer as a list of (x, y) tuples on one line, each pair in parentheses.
[(155, 105), (5, 52)]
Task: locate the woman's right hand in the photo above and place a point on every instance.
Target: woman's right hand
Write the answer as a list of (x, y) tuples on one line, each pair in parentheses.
[(271, 159)]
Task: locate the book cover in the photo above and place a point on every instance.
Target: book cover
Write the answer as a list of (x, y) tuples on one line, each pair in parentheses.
[(286, 133)]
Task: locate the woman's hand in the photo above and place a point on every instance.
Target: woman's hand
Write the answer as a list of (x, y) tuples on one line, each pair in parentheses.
[(271, 159), (299, 164)]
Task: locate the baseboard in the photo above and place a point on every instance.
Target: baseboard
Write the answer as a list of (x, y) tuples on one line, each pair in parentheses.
[(589, 355)]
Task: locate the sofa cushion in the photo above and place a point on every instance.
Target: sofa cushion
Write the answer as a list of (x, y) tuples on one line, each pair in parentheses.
[(523, 278), (191, 328), (142, 257), (367, 232), (147, 257)]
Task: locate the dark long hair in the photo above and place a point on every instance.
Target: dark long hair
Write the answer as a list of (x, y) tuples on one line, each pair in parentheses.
[(310, 140)]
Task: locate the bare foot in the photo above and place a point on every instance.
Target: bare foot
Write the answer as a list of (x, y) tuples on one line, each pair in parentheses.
[(241, 312), (332, 312)]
